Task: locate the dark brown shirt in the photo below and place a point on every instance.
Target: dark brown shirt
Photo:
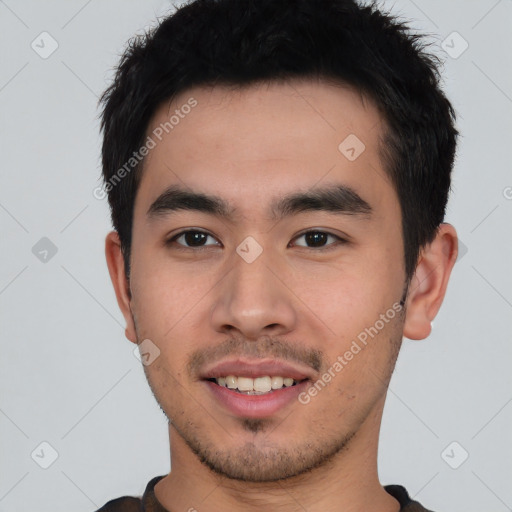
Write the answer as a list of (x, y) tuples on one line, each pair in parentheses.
[(149, 503)]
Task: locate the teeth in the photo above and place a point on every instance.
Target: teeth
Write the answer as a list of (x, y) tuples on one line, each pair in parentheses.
[(262, 384), (277, 382), (256, 386), (288, 382), (231, 382), (245, 384)]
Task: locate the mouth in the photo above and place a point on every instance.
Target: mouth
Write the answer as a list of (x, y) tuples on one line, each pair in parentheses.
[(261, 388), (263, 385), (238, 397)]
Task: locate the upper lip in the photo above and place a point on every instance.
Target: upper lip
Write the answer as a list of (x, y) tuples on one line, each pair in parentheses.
[(256, 368)]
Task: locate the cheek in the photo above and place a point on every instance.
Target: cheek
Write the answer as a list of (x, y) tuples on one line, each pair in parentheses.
[(164, 295), (359, 320), (349, 294), (362, 362)]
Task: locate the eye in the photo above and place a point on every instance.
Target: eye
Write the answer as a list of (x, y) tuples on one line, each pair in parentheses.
[(192, 239), (318, 239)]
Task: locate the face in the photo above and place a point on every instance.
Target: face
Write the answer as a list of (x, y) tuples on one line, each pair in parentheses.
[(267, 250)]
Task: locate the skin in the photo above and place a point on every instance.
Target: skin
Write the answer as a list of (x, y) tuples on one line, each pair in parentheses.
[(250, 146)]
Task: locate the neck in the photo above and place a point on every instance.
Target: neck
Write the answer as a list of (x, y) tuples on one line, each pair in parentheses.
[(348, 482)]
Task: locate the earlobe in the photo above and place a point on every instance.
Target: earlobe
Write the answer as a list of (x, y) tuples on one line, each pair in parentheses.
[(429, 282), (116, 268)]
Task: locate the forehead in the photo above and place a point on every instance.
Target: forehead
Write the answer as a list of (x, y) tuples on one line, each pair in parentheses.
[(245, 143)]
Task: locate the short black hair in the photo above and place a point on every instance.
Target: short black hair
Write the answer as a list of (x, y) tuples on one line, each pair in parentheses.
[(242, 42)]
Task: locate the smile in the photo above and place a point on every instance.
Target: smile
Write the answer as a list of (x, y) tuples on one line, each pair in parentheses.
[(254, 386)]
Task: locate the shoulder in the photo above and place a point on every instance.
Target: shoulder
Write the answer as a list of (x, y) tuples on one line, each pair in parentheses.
[(147, 503), (407, 504), (125, 504)]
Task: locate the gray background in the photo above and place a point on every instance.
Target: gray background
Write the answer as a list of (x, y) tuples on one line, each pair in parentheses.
[(68, 375)]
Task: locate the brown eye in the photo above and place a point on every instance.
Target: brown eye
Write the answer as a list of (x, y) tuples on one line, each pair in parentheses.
[(192, 238), (318, 239)]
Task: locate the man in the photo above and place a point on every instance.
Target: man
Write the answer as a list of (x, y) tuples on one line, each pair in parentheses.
[(277, 174)]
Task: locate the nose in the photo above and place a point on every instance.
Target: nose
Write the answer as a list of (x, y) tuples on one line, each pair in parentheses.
[(254, 300)]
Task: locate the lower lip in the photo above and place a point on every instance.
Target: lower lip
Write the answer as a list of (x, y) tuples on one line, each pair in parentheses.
[(256, 406)]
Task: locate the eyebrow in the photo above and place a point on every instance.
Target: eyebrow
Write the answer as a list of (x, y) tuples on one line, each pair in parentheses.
[(339, 199)]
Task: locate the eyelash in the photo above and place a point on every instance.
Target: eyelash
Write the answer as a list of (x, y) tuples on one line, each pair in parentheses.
[(339, 241)]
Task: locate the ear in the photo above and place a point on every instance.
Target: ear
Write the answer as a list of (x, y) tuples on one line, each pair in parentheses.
[(115, 263), (428, 284)]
